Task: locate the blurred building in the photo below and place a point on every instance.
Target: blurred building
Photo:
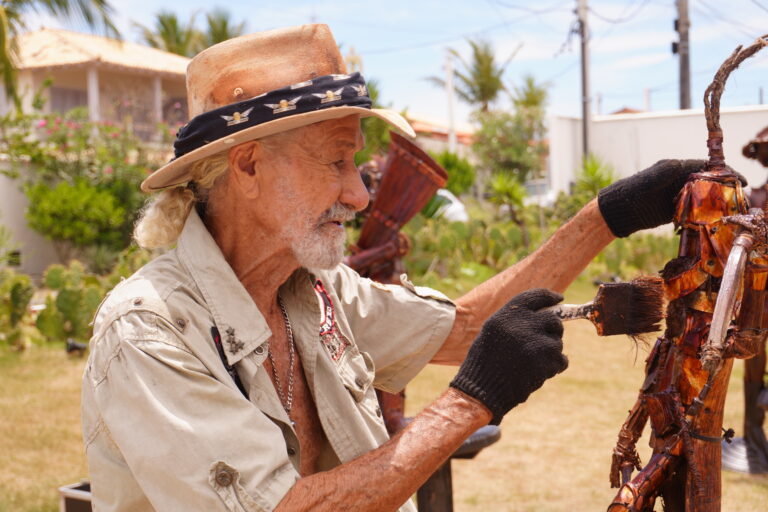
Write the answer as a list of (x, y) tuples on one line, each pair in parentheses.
[(117, 81), (433, 138), (630, 142)]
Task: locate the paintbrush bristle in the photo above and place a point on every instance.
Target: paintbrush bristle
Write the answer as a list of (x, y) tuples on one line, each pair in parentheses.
[(631, 308)]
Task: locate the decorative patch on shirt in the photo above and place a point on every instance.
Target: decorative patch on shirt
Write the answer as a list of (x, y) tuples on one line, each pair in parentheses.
[(330, 335)]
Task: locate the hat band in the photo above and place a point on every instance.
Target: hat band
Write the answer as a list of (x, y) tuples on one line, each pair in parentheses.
[(316, 94)]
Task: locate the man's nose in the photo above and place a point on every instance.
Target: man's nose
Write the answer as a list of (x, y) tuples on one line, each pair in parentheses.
[(354, 194)]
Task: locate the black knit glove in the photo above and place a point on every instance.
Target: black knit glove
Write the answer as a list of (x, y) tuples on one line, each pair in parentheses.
[(646, 199), (518, 348)]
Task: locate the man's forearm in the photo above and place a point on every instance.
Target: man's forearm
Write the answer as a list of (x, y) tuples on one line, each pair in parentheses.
[(385, 478), (554, 266)]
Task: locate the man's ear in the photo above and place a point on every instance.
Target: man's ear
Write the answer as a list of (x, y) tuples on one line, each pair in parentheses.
[(242, 165)]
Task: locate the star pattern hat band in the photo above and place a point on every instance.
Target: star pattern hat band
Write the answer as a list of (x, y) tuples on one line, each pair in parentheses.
[(317, 94)]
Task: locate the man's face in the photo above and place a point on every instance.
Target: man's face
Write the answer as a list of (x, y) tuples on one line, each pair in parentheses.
[(315, 188)]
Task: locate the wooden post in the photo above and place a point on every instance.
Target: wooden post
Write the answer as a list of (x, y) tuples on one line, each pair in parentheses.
[(436, 495)]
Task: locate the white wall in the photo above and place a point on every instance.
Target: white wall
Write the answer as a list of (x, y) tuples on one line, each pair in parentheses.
[(36, 252), (632, 142)]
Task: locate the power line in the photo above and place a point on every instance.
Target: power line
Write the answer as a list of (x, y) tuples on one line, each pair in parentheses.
[(624, 19), (747, 30), (544, 10), (760, 5), (479, 32)]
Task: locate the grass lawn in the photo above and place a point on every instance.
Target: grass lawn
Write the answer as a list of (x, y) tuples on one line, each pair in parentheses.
[(554, 453)]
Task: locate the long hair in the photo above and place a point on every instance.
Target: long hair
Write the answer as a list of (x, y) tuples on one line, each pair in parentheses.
[(162, 218)]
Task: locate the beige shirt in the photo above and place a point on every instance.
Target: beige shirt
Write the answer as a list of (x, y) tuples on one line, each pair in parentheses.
[(165, 426)]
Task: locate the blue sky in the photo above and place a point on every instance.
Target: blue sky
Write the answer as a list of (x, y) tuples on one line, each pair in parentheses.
[(402, 42)]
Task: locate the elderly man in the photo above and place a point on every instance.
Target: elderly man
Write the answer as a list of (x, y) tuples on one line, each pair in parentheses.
[(237, 371)]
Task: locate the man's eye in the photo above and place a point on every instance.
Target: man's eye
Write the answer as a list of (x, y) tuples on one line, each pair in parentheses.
[(340, 164)]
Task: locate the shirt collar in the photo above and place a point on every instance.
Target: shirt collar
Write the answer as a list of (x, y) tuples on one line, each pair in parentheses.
[(240, 323)]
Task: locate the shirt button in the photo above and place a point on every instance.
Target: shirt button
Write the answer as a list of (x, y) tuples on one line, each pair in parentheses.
[(291, 451), (181, 323), (224, 477), (137, 302), (378, 412), (259, 350)]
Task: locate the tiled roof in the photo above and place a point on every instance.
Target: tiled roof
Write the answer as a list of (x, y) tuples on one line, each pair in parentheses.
[(54, 48)]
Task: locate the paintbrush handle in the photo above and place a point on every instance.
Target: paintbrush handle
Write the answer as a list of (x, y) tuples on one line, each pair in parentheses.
[(572, 311)]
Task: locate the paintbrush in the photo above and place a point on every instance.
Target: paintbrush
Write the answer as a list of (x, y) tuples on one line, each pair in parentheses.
[(631, 308)]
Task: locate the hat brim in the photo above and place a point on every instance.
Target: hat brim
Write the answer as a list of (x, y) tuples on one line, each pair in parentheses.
[(176, 171)]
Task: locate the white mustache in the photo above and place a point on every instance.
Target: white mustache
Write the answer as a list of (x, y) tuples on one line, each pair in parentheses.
[(337, 213)]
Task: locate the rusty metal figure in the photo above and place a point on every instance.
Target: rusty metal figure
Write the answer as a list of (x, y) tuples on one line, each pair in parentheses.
[(749, 454), (716, 289)]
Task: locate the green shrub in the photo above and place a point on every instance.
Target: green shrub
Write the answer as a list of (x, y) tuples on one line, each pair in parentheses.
[(71, 305), (461, 174), (15, 295)]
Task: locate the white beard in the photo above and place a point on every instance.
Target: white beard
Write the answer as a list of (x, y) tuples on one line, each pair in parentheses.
[(317, 244)]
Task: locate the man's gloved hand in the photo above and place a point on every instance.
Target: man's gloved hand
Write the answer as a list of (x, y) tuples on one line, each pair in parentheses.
[(519, 347), (646, 199)]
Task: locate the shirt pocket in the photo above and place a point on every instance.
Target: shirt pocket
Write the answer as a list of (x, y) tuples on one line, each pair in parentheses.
[(357, 373), (225, 480)]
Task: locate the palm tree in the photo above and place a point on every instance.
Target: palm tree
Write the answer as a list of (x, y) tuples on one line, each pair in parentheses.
[(172, 35), (530, 101), (93, 13), (479, 82), (530, 95), (220, 27)]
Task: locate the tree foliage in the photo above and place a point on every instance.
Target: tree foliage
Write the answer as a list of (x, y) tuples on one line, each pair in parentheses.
[(171, 34), (503, 144), (461, 174), (220, 27)]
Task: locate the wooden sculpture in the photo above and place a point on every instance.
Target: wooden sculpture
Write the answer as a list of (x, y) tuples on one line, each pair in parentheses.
[(716, 288)]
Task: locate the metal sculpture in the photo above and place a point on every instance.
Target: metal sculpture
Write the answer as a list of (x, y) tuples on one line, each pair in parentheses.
[(716, 288), (749, 454)]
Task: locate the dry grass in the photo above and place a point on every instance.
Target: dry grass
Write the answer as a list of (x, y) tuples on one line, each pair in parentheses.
[(554, 453), (40, 440), (555, 449)]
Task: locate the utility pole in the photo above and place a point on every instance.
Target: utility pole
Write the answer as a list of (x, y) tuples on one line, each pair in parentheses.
[(581, 12), (681, 47), (647, 99), (449, 92)]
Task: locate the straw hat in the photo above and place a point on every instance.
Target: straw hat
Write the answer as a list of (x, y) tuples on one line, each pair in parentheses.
[(261, 84)]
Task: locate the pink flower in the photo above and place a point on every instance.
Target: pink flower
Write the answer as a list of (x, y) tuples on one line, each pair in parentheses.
[(108, 169), (42, 123), (114, 135)]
